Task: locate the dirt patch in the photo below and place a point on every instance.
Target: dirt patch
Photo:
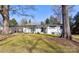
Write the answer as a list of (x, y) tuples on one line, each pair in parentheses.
[(64, 41), (3, 37)]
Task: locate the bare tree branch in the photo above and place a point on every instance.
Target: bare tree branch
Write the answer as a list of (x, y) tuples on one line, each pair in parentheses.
[(21, 10)]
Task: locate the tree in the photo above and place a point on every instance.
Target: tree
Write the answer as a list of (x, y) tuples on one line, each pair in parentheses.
[(24, 22), (51, 20), (30, 21), (66, 25), (5, 15), (42, 23), (21, 10), (54, 21), (57, 11), (71, 23), (5, 10), (76, 24), (13, 22), (47, 21)]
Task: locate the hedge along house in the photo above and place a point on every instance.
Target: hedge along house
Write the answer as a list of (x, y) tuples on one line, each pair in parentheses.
[(41, 29)]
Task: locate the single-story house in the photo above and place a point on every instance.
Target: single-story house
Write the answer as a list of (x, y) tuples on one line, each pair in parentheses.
[(49, 29), (42, 29)]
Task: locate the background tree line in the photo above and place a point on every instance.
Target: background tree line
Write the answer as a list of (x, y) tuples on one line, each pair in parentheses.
[(51, 21)]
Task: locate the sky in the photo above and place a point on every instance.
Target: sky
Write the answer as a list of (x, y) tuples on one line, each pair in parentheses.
[(75, 10), (41, 13)]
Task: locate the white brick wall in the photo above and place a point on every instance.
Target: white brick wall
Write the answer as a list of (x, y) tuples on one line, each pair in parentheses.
[(53, 30), (37, 30), (26, 30)]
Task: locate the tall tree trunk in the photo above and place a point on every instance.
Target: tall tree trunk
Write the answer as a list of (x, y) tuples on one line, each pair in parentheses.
[(66, 25), (5, 15)]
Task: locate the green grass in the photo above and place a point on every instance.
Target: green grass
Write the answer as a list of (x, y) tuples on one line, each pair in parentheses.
[(76, 37), (21, 42)]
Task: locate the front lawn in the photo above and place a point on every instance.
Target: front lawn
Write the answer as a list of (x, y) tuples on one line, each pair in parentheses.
[(75, 37), (20, 42)]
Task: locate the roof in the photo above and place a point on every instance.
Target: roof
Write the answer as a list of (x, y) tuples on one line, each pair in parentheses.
[(35, 26), (29, 26)]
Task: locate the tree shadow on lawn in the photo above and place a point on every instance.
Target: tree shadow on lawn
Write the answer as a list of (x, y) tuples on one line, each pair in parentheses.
[(5, 42), (33, 46), (74, 43), (55, 48)]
